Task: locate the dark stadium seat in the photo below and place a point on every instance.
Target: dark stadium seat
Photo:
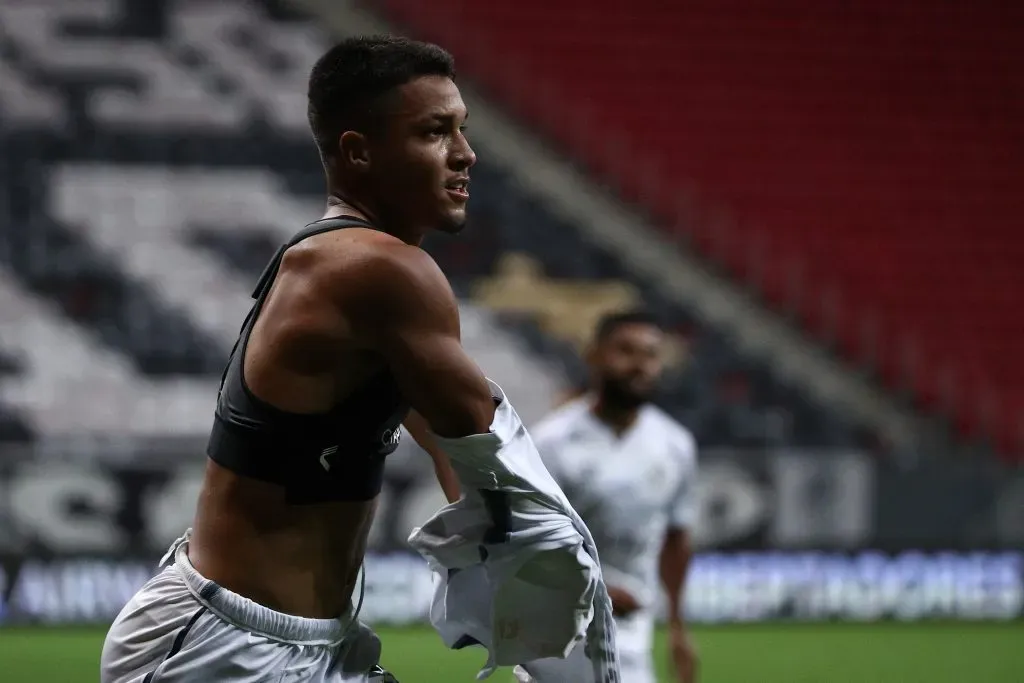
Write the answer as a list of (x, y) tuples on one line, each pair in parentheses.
[(65, 216), (12, 426)]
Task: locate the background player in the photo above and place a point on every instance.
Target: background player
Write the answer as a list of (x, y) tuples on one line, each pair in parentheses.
[(629, 470)]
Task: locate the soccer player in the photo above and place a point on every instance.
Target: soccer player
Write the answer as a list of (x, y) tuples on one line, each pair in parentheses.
[(629, 469), (353, 325)]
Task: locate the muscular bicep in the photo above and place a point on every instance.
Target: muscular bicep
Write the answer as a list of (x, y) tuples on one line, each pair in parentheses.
[(439, 380), (412, 321)]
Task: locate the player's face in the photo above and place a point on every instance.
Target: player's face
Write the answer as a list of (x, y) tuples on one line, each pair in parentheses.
[(423, 159), (629, 363)]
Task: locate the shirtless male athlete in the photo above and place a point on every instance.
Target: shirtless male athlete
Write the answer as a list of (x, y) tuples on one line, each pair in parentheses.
[(353, 325)]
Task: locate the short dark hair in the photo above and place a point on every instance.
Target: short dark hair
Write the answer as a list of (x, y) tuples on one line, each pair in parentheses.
[(346, 82), (613, 321)]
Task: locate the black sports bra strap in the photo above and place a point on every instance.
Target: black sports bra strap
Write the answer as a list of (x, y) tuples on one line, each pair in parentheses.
[(328, 224), (269, 273)]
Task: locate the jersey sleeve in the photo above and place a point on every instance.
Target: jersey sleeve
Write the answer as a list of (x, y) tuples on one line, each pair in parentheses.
[(682, 512)]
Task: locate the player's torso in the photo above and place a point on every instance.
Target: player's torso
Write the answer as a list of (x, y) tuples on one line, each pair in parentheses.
[(622, 486), (303, 424), (302, 405)]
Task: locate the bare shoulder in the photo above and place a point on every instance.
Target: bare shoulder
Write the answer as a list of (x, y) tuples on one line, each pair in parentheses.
[(377, 279), (397, 304)]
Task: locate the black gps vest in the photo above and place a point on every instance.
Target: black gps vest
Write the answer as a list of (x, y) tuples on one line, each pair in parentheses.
[(335, 455)]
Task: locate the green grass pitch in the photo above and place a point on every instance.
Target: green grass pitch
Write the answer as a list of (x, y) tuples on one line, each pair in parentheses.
[(805, 653)]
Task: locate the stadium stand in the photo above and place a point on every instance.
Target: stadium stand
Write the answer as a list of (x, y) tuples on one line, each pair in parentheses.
[(869, 156), (141, 197)]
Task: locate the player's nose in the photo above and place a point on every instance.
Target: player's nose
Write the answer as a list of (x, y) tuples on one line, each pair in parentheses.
[(462, 156)]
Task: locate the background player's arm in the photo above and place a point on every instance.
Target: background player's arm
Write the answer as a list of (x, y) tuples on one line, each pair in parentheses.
[(418, 428), (674, 564), (677, 549), (399, 305)]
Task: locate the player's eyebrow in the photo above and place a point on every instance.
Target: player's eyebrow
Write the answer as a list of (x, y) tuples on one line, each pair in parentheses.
[(445, 116)]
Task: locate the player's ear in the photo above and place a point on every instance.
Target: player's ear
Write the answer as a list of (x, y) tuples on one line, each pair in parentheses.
[(354, 149)]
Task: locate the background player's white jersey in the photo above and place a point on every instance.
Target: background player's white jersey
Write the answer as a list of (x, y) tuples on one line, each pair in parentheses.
[(629, 489)]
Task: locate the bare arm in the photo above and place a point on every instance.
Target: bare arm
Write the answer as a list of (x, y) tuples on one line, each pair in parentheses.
[(677, 549), (420, 432), (400, 305), (674, 564)]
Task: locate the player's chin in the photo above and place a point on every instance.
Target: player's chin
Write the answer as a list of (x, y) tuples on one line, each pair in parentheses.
[(453, 221)]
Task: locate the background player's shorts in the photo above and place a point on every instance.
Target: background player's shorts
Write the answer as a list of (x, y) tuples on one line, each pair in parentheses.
[(183, 628), (634, 639)]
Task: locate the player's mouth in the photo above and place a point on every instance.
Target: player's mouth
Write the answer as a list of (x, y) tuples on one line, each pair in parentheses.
[(459, 188)]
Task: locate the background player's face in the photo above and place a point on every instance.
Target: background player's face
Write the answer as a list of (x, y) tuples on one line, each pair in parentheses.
[(628, 364), (423, 155)]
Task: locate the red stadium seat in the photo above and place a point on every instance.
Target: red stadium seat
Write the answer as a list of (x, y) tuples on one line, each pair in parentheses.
[(879, 144)]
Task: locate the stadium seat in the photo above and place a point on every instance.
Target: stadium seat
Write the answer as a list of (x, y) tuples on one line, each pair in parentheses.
[(875, 146), (141, 197)]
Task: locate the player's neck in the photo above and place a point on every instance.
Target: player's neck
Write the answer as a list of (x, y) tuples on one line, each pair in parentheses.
[(340, 204), (618, 418)]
